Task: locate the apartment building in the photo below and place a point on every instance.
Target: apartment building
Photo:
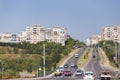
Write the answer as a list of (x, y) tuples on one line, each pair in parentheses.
[(111, 33), (22, 36), (107, 33), (36, 34), (59, 35), (94, 40), (9, 37)]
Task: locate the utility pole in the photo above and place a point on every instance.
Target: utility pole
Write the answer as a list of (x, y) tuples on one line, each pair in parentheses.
[(44, 59), (118, 55), (116, 51)]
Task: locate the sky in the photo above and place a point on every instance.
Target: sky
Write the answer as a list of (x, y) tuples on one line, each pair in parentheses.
[(82, 18)]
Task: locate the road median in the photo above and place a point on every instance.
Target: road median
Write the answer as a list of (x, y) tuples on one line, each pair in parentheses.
[(85, 58)]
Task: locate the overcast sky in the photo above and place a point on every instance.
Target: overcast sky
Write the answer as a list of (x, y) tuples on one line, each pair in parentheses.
[(82, 18)]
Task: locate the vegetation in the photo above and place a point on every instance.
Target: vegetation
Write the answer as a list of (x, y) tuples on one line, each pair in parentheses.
[(85, 58), (109, 48), (18, 57), (102, 57)]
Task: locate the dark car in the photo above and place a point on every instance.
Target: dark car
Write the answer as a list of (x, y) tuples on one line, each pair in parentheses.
[(66, 66), (67, 73), (94, 56), (74, 66)]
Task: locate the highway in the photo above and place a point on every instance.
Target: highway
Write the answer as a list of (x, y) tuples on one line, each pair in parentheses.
[(93, 65)]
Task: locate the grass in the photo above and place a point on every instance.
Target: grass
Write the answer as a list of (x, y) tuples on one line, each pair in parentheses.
[(18, 56), (85, 58), (102, 61)]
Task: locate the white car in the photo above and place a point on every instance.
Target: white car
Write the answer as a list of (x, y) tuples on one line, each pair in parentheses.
[(76, 55), (79, 72), (89, 75)]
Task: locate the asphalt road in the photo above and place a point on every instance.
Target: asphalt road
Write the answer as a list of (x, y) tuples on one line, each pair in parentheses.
[(93, 65)]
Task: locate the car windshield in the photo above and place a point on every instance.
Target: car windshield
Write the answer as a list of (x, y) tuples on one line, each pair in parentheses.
[(88, 73), (79, 71)]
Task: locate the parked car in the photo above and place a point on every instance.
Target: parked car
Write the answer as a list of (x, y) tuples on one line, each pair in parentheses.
[(67, 73), (79, 72), (89, 75)]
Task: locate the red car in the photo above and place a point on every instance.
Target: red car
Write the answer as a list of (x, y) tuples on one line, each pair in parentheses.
[(67, 73)]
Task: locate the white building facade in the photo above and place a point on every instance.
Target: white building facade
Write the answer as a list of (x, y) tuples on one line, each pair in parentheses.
[(36, 34), (9, 37), (111, 33), (108, 33)]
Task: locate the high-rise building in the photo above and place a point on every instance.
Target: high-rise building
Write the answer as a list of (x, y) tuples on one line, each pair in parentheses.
[(111, 33), (59, 35), (107, 33), (35, 34)]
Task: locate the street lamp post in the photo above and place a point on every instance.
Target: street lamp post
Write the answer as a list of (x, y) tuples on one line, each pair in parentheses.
[(117, 59), (116, 51), (44, 59)]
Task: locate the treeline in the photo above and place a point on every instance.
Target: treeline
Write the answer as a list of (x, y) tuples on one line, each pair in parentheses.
[(24, 56), (109, 48)]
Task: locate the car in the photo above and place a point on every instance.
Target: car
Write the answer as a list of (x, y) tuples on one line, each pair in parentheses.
[(79, 72), (76, 55), (66, 66), (58, 72), (73, 65), (105, 75), (89, 75), (94, 56), (61, 69), (67, 73)]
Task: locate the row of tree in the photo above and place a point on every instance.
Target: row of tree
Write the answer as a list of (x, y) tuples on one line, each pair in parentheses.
[(31, 55), (110, 49)]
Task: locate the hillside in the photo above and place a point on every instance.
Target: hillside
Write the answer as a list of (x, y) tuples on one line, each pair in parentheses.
[(17, 57)]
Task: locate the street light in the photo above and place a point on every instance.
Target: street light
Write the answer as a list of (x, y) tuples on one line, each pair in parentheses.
[(44, 59), (117, 58)]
